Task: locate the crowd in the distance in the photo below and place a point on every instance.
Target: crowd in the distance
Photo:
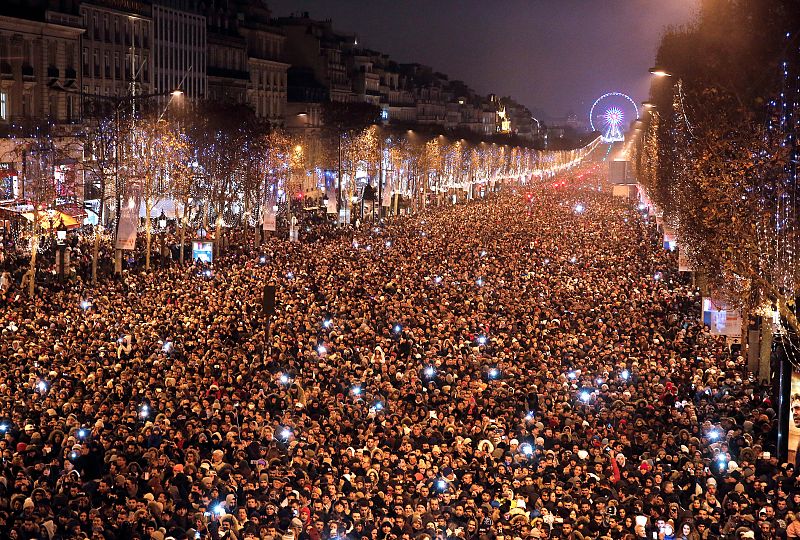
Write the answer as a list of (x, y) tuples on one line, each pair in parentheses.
[(506, 369)]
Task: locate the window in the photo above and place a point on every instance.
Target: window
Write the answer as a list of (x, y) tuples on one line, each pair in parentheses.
[(70, 109), (86, 60), (70, 55), (52, 53), (96, 57), (116, 65), (116, 29), (95, 27), (106, 33), (3, 106), (106, 65), (53, 112)]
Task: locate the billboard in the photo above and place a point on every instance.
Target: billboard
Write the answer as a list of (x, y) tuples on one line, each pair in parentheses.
[(794, 418), (203, 250)]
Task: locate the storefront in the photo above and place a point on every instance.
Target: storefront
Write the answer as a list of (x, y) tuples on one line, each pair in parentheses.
[(8, 181)]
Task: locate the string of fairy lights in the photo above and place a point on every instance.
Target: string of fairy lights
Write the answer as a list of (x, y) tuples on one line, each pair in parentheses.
[(778, 233), (764, 197)]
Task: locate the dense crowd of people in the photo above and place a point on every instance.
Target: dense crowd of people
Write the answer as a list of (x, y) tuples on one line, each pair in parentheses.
[(527, 366)]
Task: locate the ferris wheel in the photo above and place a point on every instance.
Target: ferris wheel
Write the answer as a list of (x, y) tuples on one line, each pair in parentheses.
[(609, 113)]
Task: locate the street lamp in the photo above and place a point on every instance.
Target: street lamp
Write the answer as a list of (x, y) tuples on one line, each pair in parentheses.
[(660, 72)]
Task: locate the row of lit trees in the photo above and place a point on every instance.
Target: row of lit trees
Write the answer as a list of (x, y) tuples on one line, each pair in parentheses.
[(218, 166), (718, 153)]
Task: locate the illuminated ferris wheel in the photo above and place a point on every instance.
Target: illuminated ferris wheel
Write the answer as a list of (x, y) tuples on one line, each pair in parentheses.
[(609, 113)]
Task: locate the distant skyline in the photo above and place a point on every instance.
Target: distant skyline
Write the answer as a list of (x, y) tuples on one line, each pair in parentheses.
[(554, 56)]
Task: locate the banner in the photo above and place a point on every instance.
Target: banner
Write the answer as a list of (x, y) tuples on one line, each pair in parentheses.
[(670, 241), (330, 192), (268, 215), (721, 318), (684, 265), (129, 217), (386, 200)]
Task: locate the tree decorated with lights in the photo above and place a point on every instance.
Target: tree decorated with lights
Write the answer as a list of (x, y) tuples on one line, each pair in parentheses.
[(717, 156), (155, 150)]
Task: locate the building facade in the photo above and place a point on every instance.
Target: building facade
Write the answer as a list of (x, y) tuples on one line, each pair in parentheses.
[(116, 49), (179, 52)]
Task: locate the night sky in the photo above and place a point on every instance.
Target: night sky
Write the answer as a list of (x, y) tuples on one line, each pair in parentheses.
[(555, 56)]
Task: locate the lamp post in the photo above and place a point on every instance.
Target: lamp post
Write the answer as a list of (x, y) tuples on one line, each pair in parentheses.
[(162, 224)]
